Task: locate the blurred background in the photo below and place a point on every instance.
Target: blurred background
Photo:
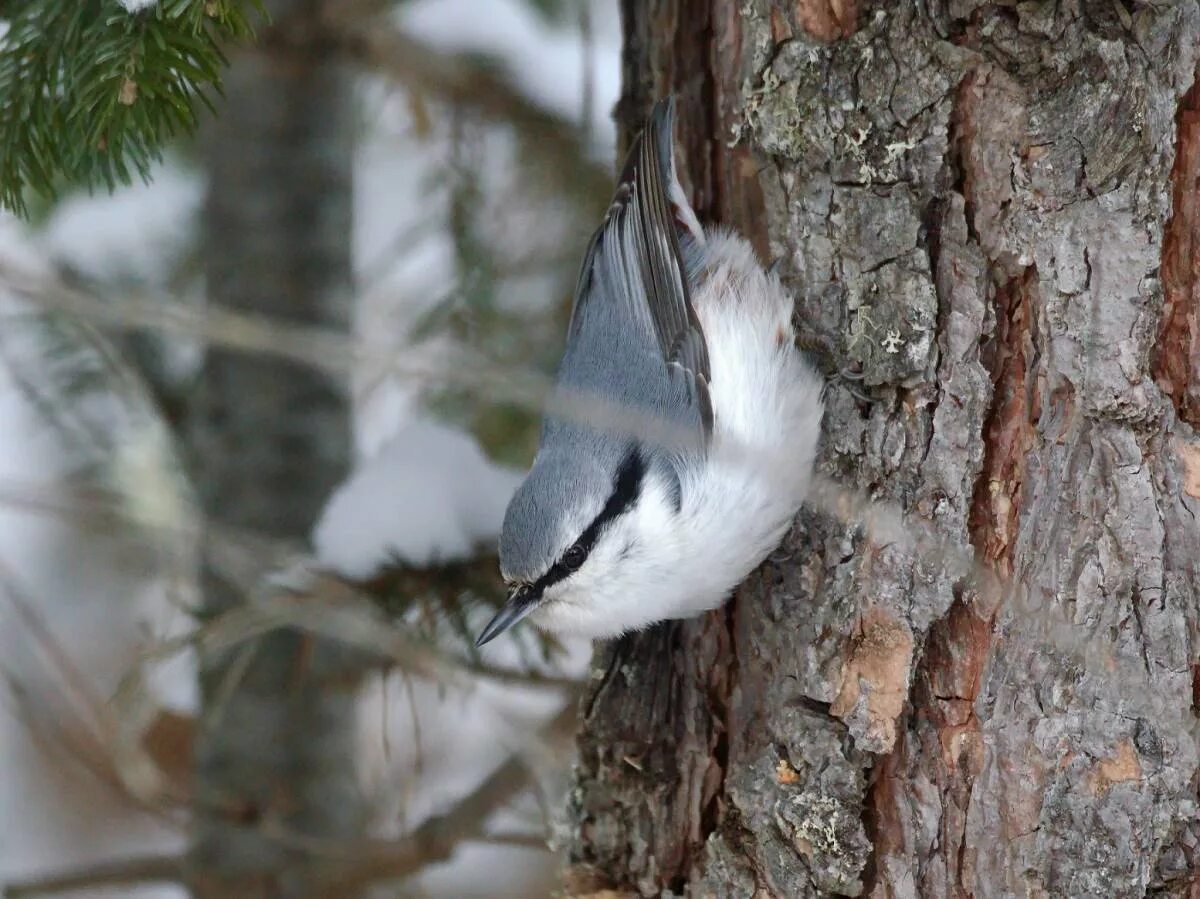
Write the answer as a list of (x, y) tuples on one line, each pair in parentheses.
[(282, 392)]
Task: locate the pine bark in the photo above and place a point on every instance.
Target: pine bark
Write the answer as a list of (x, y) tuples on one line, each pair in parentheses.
[(275, 772), (991, 210)]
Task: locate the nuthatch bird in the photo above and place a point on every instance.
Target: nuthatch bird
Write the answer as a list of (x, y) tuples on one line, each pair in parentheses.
[(611, 532)]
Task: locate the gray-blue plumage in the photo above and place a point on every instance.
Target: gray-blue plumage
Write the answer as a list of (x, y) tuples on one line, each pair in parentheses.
[(634, 340)]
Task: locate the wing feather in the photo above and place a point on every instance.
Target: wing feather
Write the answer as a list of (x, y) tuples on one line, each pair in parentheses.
[(637, 254)]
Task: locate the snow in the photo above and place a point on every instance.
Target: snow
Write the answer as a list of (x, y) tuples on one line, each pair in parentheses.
[(136, 6), (546, 62), (137, 233), (430, 495)]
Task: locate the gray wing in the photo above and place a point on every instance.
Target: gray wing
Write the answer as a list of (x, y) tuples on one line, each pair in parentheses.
[(635, 259)]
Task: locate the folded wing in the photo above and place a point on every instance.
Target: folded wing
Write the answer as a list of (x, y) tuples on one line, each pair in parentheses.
[(636, 260)]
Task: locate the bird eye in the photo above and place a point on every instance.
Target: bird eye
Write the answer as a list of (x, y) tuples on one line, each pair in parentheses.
[(574, 557)]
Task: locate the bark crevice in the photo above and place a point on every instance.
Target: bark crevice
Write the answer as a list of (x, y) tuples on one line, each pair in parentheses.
[(1176, 364)]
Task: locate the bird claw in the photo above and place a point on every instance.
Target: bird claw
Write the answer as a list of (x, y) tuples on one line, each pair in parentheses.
[(847, 379)]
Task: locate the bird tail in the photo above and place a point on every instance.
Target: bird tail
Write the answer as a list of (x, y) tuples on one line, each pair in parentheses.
[(661, 129)]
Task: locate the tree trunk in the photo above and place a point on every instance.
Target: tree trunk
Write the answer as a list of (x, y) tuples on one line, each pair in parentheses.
[(973, 202), (275, 768)]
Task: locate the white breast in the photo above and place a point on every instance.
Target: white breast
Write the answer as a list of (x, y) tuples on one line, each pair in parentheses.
[(656, 563)]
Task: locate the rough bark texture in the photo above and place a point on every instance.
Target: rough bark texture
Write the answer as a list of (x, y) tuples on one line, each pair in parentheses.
[(275, 770), (973, 202)]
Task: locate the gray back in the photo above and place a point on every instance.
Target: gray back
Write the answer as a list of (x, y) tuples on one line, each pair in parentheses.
[(634, 340)]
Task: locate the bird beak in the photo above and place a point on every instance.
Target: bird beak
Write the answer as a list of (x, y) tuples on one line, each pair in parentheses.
[(521, 601)]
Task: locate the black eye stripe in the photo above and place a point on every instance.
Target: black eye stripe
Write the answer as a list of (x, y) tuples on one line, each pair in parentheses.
[(625, 490)]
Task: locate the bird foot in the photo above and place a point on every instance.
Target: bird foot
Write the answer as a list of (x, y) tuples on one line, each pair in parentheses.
[(848, 379), (821, 347)]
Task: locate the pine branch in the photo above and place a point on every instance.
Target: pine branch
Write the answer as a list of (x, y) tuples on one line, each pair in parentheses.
[(366, 617), (90, 93)]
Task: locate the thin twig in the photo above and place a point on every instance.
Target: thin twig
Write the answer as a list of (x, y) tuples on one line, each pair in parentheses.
[(124, 872), (55, 738), (418, 740), (232, 678), (587, 41), (78, 691), (518, 678), (516, 840)]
